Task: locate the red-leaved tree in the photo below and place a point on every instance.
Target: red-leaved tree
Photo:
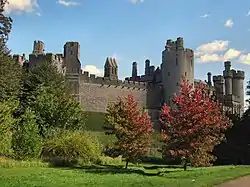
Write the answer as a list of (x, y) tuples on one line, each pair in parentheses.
[(132, 128), (193, 126)]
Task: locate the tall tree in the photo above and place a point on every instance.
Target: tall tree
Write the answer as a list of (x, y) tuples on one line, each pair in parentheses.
[(194, 126), (131, 127), (45, 91), (10, 72), (5, 26)]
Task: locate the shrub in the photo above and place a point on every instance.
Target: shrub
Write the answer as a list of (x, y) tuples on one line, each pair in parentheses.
[(71, 148), (26, 141), (6, 124)]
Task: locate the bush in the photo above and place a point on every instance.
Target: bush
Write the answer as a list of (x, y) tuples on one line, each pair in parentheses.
[(6, 124), (26, 140), (71, 148)]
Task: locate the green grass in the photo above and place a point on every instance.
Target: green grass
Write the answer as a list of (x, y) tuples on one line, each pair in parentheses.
[(21, 175)]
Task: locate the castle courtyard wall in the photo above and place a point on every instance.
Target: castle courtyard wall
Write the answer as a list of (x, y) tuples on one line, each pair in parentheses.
[(96, 97)]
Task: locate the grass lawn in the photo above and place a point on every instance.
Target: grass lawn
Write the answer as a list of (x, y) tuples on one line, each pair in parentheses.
[(21, 175)]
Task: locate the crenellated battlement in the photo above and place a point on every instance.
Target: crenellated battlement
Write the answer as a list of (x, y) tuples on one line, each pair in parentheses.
[(239, 74), (218, 79), (93, 79)]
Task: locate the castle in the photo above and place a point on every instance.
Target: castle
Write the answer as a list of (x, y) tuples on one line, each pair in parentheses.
[(152, 89)]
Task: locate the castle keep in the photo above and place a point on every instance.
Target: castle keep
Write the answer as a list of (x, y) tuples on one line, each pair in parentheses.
[(152, 89)]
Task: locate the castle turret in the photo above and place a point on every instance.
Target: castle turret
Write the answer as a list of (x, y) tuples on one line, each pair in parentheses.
[(209, 78), (238, 87), (176, 62), (73, 67), (38, 47), (219, 85), (134, 69), (147, 65), (228, 75), (111, 69), (72, 57)]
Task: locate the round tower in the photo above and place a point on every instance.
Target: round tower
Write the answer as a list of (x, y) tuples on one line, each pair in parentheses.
[(147, 65), (176, 62), (209, 78), (134, 69), (228, 75), (238, 86)]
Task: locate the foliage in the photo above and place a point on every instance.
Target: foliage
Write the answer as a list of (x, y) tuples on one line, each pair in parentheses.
[(6, 125), (132, 129), (5, 26), (6, 162), (45, 91), (193, 126), (56, 110), (10, 77), (71, 148), (26, 140)]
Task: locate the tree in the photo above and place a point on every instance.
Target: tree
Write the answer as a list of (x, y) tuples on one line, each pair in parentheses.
[(10, 72), (7, 122), (45, 91), (131, 127), (5, 27), (26, 141), (193, 126)]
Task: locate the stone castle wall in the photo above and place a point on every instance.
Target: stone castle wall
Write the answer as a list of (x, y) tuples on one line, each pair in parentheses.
[(96, 93)]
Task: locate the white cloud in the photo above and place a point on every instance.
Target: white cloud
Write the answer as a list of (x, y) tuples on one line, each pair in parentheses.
[(93, 70), (217, 51), (205, 16), (245, 58), (248, 13), (67, 3), (20, 6), (229, 23), (231, 54), (136, 1), (212, 47)]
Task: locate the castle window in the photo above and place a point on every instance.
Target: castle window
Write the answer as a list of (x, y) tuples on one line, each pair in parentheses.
[(168, 73), (177, 84), (191, 62), (185, 74), (176, 61)]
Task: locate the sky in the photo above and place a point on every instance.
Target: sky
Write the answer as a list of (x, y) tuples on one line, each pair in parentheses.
[(136, 30)]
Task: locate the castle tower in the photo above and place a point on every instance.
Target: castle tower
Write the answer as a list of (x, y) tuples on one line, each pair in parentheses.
[(38, 47), (176, 62), (72, 63), (209, 78), (134, 69), (72, 57), (228, 75), (219, 85), (111, 69), (238, 87), (147, 65)]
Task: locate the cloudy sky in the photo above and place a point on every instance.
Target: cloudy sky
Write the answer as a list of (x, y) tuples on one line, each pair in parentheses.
[(133, 30)]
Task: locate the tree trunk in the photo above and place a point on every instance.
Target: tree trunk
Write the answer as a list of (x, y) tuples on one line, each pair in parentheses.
[(185, 165), (126, 164)]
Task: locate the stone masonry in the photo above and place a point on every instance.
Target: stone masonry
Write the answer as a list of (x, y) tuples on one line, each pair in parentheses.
[(152, 89)]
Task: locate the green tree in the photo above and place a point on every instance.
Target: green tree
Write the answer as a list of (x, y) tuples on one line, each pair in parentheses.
[(26, 141), (132, 128), (45, 91), (10, 72), (7, 123)]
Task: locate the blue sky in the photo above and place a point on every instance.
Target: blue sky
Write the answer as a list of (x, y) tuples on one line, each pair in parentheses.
[(215, 30)]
